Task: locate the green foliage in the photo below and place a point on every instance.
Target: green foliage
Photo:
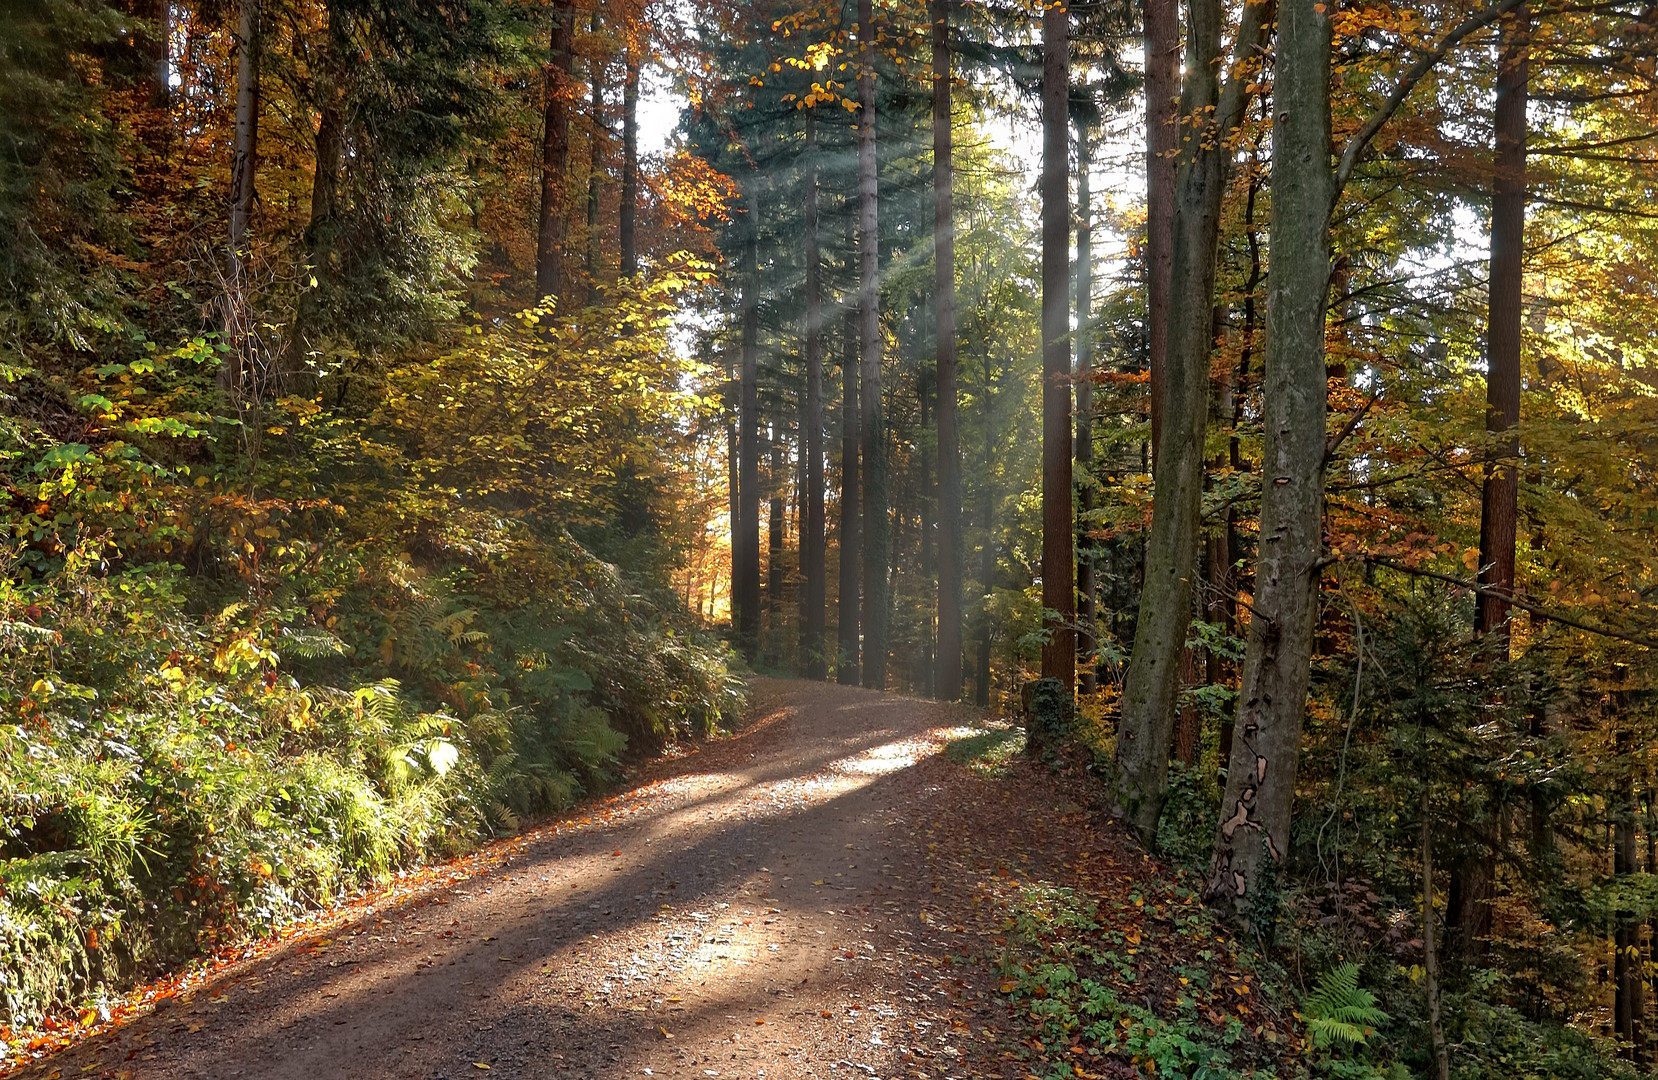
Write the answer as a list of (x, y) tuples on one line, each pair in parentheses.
[(234, 689), (1338, 1011), (988, 753), (1072, 976)]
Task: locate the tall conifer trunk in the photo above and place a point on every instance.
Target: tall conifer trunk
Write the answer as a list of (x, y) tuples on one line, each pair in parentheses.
[(1162, 89), (1473, 885), (1499, 504), (1058, 528), (161, 58), (630, 167), (872, 419), (1260, 782), (555, 155), (987, 551), (847, 599), (1085, 409), (595, 165), (777, 477), (947, 656), (746, 617), (813, 591)]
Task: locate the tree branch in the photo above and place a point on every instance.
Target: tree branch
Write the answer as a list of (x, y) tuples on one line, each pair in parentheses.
[(1413, 75), (1509, 598)]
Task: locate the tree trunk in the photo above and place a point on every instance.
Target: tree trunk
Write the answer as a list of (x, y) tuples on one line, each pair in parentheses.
[(1499, 502), (595, 166), (1629, 981), (747, 598), (847, 635), (1086, 643), (1151, 685), (630, 167), (555, 155), (1234, 395), (1474, 884), (161, 57), (987, 552), (1162, 49), (1430, 957), (872, 419), (1260, 783), (244, 165), (813, 591), (1059, 651), (775, 542), (947, 656), (322, 229)]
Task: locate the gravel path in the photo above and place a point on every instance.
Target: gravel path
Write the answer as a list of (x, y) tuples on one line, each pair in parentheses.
[(756, 908)]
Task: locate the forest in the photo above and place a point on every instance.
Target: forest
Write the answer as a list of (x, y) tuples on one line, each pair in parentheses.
[(417, 414)]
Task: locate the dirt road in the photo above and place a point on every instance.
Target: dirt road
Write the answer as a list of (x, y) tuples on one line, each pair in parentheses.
[(757, 908)]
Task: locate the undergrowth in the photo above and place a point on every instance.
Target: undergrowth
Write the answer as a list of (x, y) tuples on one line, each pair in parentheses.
[(247, 666)]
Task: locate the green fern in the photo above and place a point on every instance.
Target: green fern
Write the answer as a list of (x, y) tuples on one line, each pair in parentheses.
[(1339, 1011), (310, 643)]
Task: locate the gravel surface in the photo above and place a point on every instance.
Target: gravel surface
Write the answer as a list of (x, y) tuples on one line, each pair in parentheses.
[(766, 906)]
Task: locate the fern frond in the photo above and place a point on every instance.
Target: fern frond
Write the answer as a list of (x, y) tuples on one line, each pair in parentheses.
[(1339, 1010), (310, 643)]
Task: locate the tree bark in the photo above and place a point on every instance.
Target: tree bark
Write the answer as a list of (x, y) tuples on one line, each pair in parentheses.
[(813, 591), (161, 58), (595, 166), (1086, 642), (1162, 49), (1260, 782), (1152, 685), (1430, 956), (747, 593), (243, 167), (1059, 651), (1499, 502), (555, 155), (322, 229), (777, 477), (630, 168), (872, 419), (947, 655), (1628, 979), (987, 551), (847, 600)]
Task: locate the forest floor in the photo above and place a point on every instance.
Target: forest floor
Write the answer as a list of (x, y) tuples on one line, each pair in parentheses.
[(822, 894)]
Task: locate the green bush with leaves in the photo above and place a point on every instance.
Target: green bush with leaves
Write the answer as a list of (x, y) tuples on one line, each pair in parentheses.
[(245, 671)]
